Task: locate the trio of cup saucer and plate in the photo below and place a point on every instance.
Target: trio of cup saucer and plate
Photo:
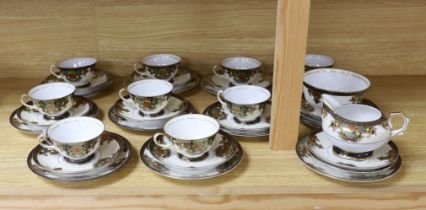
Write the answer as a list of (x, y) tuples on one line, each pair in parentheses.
[(73, 145), (352, 141)]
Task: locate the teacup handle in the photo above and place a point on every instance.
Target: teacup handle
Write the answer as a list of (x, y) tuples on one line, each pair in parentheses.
[(136, 69), (122, 94), (24, 102), (57, 74), (400, 131), (41, 138), (166, 140), (217, 68), (219, 98)]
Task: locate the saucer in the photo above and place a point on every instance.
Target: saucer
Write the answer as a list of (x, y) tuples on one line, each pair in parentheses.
[(213, 83), (114, 151), (99, 82), (321, 147), (225, 156), (311, 115), (230, 126), (27, 120), (314, 163), (127, 114), (184, 80)]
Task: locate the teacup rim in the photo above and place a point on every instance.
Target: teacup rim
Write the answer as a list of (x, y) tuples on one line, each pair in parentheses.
[(332, 61), (170, 87), (214, 121), (54, 125), (32, 90), (259, 64), (247, 86), (91, 60), (349, 121), (178, 59), (334, 92)]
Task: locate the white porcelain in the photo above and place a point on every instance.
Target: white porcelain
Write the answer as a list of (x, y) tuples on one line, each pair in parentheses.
[(347, 87), (191, 135), (158, 66), (81, 70), (75, 138), (239, 70), (359, 128), (245, 102), (150, 96), (313, 61), (322, 148), (52, 99)]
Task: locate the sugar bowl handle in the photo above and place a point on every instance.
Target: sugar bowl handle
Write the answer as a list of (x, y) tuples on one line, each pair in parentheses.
[(121, 93), (167, 143), (136, 69), (41, 138), (219, 98), (57, 74), (216, 69), (400, 131), (24, 101)]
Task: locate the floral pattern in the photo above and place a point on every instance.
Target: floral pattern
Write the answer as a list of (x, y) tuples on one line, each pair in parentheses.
[(78, 151), (192, 148), (151, 103), (244, 111), (241, 76), (352, 132), (162, 72), (54, 107), (76, 75)]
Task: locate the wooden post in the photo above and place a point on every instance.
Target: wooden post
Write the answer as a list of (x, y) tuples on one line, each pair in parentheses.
[(290, 49)]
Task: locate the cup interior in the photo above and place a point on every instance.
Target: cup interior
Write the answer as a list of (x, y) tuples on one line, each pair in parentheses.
[(51, 91), (246, 94), (161, 60), (191, 127), (358, 112), (76, 62), (75, 130), (241, 63), (150, 88), (317, 60), (336, 80)]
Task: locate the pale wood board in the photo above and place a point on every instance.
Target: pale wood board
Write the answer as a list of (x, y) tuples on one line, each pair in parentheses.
[(380, 37), (382, 201), (290, 45), (262, 171)]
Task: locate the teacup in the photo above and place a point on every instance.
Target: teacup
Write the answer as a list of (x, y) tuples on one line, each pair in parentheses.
[(245, 102), (77, 71), (191, 135), (50, 99), (315, 61), (150, 96), (159, 66), (345, 86), (75, 138), (238, 70), (359, 128)]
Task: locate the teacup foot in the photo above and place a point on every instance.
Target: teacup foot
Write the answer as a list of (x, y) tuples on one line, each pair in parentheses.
[(257, 120), (353, 156), (81, 161), (197, 159), (151, 115), (60, 117)]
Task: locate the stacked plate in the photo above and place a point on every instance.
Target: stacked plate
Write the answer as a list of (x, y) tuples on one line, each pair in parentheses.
[(220, 159), (318, 154)]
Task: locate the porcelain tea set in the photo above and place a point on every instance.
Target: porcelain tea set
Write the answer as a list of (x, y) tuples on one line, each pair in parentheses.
[(74, 146), (355, 141)]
